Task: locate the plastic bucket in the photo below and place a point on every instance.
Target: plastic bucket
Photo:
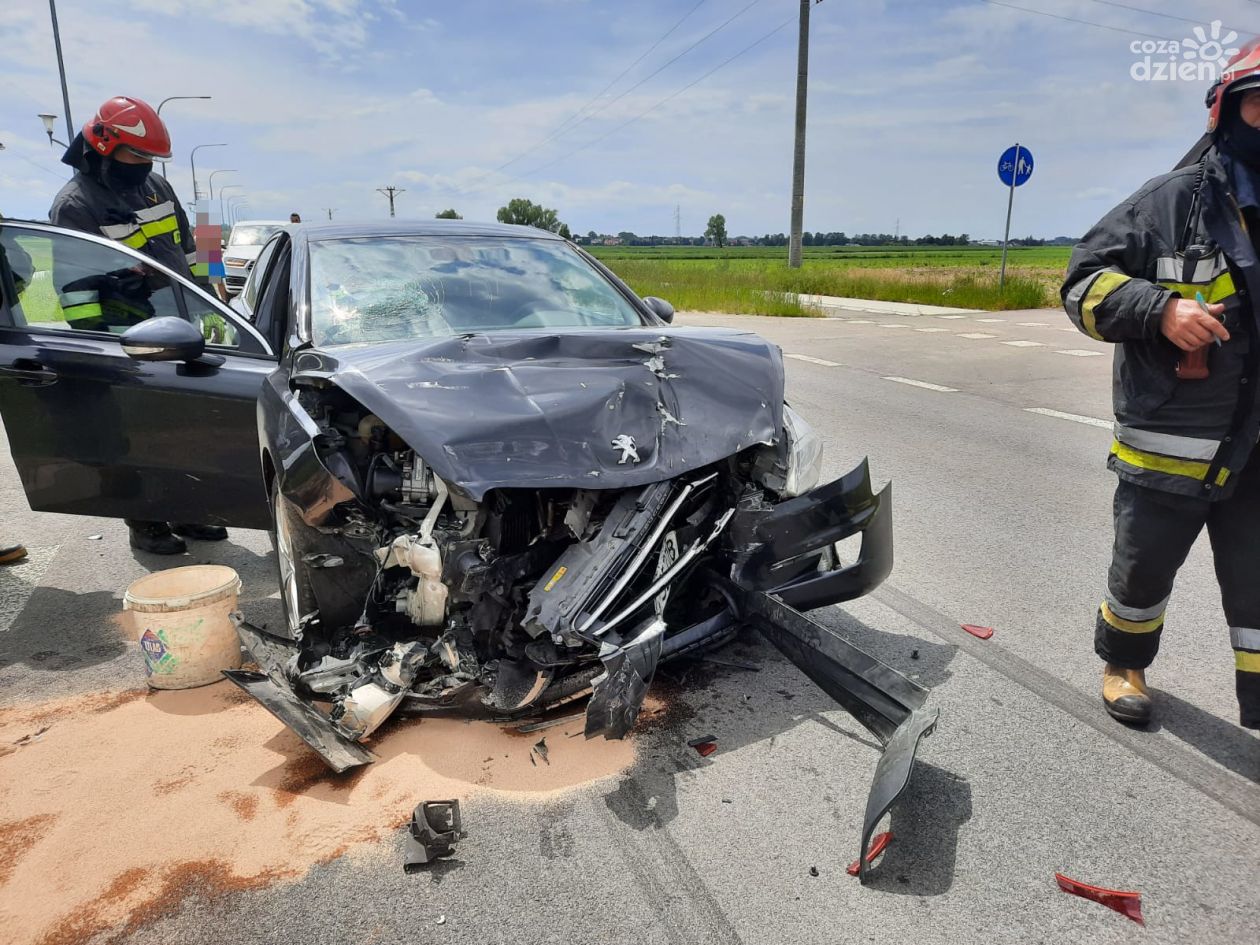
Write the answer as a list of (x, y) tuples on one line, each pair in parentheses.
[(180, 617)]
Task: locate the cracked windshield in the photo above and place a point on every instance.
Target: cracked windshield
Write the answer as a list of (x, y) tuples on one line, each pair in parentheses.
[(389, 289)]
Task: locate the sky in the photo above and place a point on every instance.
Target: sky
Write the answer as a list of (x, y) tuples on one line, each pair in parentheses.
[(599, 108)]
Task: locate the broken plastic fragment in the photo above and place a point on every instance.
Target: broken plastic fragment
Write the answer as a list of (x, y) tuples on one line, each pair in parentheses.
[(541, 750), (705, 745), (813, 871), (878, 845), (982, 632), (1126, 903), (435, 827)]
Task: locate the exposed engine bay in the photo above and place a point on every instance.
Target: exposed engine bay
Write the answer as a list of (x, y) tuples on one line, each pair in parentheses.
[(520, 601)]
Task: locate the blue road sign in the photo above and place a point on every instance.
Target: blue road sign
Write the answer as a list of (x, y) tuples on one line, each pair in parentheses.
[(1015, 166)]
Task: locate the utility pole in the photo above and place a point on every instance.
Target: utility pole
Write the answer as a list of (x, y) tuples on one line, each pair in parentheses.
[(677, 221), (390, 193), (329, 211), (798, 157)]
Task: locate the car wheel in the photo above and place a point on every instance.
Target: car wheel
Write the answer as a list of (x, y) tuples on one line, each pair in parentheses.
[(295, 588)]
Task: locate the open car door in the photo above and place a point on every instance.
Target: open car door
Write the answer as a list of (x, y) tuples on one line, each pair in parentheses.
[(97, 431)]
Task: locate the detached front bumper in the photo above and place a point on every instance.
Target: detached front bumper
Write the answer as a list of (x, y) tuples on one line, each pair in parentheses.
[(779, 548)]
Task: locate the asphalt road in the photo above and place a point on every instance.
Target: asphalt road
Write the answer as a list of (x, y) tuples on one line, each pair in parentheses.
[(993, 431)]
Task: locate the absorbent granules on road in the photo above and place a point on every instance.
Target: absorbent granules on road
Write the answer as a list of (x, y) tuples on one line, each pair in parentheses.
[(126, 802)]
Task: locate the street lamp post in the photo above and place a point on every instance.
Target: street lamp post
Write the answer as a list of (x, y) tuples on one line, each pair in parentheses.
[(225, 170), (61, 69), (172, 98), (192, 160), (50, 122), (233, 207), (222, 191)]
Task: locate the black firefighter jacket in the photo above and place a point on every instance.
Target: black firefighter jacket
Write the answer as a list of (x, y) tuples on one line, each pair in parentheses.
[(1181, 234), (147, 217)]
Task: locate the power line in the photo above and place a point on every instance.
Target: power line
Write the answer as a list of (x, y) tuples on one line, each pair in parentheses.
[(652, 108), (1070, 19), (669, 32), (1166, 16), (713, 32)]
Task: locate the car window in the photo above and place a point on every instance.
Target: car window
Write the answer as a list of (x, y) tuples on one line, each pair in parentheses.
[(251, 234), (389, 288), (65, 283), (249, 294)]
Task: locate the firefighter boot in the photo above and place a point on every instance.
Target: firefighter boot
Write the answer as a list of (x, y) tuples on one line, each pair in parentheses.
[(201, 532), (155, 538), (1125, 695)]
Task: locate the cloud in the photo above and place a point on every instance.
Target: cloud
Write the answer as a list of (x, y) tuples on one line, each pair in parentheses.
[(323, 101)]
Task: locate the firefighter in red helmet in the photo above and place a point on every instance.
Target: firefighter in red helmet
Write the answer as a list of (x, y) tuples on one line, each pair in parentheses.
[(1172, 278), (115, 193)]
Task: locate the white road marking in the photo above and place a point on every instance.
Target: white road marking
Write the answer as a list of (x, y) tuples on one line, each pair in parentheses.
[(891, 325), (860, 321), (975, 334), (1035, 325), (1080, 353), (951, 316), (806, 357), (924, 384), (1069, 328), (1024, 344), (1074, 417), (991, 320), (932, 329)]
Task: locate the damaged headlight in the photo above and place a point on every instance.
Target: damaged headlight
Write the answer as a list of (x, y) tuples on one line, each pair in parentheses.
[(805, 451)]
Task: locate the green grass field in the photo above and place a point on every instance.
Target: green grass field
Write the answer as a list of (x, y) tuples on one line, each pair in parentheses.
[(756, 279)]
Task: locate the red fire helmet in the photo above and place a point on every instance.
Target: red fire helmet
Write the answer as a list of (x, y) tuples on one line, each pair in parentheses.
[(131, 123)]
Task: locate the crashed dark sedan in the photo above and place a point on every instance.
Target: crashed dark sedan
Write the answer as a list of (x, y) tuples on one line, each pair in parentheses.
[(497, 479)]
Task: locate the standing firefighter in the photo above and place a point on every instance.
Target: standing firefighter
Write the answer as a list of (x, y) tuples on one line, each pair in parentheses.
[(115, 193), (1172, 277)]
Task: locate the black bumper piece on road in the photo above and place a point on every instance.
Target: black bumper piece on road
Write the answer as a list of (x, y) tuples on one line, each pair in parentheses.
[(888, 704), (774, 592)]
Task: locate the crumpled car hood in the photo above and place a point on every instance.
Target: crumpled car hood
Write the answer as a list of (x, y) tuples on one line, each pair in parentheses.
[(581, 408)]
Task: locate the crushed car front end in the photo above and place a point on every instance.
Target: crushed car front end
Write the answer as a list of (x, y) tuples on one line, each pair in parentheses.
[(499, 522)]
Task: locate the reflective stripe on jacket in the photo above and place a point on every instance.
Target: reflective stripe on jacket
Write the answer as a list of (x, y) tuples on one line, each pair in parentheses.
[(1186, 437), (147, 218)]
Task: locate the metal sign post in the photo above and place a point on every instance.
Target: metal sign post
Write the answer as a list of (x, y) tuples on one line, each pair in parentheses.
[(1015, 167)]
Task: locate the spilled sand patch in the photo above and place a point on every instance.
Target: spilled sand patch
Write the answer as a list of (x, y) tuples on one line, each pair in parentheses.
[(131, 801)]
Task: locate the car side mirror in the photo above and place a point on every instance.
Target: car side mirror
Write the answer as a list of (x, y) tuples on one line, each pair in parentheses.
[(165, 338), (662, 309)]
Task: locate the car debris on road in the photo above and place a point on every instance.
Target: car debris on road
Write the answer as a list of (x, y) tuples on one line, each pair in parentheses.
[(435, 828)]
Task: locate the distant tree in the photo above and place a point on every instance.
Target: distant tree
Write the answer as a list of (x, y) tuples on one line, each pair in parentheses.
[(564, 231), (592, 235), (626, 237), (527, 213), (716, 230), (448, 215)]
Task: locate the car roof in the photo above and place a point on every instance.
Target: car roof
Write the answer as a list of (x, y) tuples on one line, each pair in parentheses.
[(260, 223), (317, 232)]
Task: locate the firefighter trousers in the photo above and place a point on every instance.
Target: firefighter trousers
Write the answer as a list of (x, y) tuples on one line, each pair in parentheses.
[(1154, 533)]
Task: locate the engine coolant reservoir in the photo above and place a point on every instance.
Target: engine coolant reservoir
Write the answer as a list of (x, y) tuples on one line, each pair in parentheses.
[(426, 604)]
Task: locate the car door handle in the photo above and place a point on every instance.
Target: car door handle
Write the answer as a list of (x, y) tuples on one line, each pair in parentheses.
[(29, 373)]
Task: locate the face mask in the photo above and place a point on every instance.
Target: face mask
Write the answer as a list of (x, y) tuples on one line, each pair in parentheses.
[(127, 175)]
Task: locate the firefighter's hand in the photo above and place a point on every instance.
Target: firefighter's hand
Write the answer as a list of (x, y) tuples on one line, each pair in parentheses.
[(1189, 327)]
